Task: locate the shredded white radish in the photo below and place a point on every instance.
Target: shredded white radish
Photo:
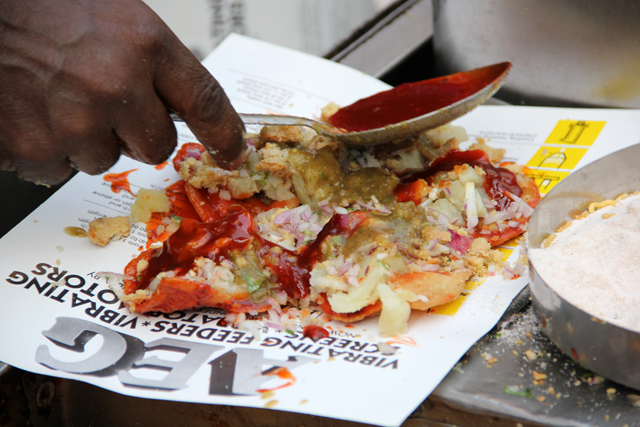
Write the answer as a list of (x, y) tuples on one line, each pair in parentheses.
[(470, 204)]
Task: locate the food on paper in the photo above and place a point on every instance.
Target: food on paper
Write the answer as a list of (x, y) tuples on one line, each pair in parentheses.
[(147, 202), (306, 221), (592, 262), (103, 230)]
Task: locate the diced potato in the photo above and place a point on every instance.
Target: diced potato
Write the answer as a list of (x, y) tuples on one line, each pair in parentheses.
[(395, 313), (147, 202), (408, 158), (457, 194), (440, 135), (446, 208), (362, 295), (470, 175)]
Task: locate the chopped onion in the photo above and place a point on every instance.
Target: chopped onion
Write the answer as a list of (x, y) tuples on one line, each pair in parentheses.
[(432, 244), (274, 325), (253, 328), (460, 244), (386, 349), (425, 266), (194, 154), (522, 206)]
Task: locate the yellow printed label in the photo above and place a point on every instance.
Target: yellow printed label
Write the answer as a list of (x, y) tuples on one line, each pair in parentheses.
[(506, 252), (575, 132), (450, 308), (557, 157), (545, 179), (472, 284)]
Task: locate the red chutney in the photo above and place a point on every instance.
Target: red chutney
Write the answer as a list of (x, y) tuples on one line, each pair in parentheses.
[(293, 270), (237, 232), (315, 332), (496, 182), (195, 239), (411, 100), (338, 225), (119, 181), (211, 207)]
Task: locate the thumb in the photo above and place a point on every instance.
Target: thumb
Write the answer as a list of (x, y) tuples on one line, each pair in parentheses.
[(190, 90)]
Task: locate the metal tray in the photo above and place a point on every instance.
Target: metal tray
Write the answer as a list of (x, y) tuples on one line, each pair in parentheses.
[(608, 350)]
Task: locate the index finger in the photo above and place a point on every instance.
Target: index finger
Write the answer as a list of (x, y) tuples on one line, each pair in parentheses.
[(197, 97)]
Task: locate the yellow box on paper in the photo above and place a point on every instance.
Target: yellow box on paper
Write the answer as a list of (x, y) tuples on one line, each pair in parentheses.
[(557, 157), (575, 132), (546, 179)]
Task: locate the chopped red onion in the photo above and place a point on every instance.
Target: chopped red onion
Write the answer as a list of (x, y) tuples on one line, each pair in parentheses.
[(460, 244), (428, 267), (497, 216), (276, 326), (196, 154)]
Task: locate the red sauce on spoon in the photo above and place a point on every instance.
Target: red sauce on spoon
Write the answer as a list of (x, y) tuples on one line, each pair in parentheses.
[(411, 100)]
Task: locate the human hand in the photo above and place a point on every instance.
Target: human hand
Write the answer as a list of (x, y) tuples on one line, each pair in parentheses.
[(82, 81)]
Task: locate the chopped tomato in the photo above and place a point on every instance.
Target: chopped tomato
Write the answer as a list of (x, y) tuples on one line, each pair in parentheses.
[(190, 149), (414, 192), (209, 206), (531, 196), (175, 293), (497, 237)]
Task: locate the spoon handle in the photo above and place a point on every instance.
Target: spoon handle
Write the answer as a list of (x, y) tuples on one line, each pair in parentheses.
[(270, 119), (277, 120)]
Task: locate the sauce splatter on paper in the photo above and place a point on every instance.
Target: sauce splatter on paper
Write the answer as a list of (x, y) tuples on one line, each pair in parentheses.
[(119, 181)]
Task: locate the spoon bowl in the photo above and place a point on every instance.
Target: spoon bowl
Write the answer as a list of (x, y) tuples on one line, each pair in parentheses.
[(402, 112)]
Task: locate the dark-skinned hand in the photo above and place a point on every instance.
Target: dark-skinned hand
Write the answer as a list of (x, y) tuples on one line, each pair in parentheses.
[(83, 81)]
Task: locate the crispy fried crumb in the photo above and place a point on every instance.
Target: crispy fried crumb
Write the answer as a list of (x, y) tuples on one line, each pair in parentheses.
[(495, 154), (204, 174), (274, 160), (103, 230), (289, 135), (329, 110), (539, 376)]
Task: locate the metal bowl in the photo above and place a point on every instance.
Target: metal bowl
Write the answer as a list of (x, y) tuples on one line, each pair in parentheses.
[(565, 52), (610, 351)]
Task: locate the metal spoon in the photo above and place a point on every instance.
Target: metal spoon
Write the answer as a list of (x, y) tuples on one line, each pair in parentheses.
[(465, 91)]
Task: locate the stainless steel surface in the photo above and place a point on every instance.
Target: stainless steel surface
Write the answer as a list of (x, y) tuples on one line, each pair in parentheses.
[(570, 395), (565, 52), (607, 349), (387, 41)]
